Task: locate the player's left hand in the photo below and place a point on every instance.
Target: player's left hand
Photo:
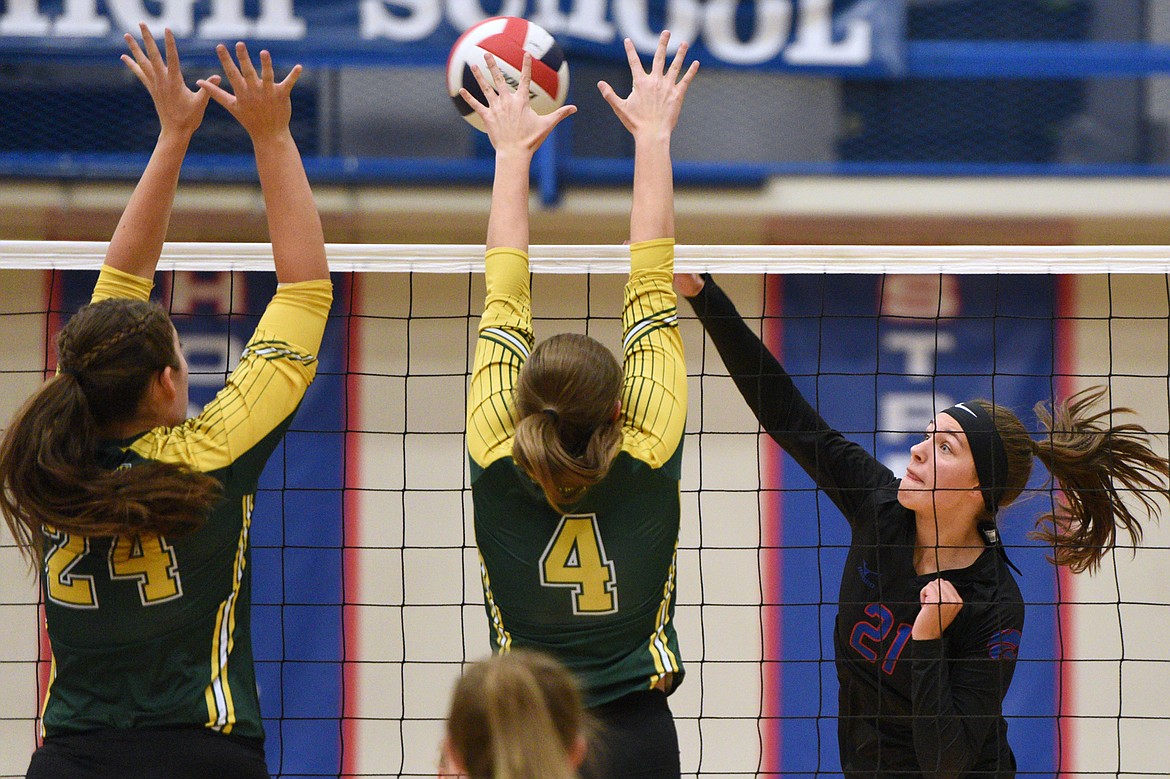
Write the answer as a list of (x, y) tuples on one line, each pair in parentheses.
[(262, 105), (941, 603), (656, 98)]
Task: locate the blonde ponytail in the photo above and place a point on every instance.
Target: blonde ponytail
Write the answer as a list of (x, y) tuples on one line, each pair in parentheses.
[(568, 433), (516, 716)]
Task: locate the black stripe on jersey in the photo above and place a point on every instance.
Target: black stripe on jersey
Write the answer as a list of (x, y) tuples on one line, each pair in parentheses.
[(277, 350)]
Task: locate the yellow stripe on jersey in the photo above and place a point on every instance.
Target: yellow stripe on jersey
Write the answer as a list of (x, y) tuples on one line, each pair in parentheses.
[(220, 706), (48, 689), (505, 340), (265, 388), (654, 395), (503, 637), (665, 660)]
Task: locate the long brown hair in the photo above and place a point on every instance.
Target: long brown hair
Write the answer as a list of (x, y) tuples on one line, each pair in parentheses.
[(107, 355), (517, 716), (568, 432), (1095, 463)]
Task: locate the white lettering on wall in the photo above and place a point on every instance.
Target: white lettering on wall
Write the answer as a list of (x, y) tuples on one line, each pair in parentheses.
[(422, 18), (683, 18), (586, 20), (906, 414), (772, 28), (276, 21), (465, 13), (919, 349), (23, 18), (814, 43), (799, 32)]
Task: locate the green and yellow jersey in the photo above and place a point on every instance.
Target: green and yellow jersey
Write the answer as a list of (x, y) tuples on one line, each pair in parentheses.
[(595, 586), (150, 631)]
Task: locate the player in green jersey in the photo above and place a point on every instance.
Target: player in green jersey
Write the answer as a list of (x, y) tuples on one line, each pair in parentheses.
[(575, 459), (138, 517)]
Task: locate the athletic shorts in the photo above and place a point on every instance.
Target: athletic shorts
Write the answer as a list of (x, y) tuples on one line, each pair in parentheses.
[(636, 739), (149, 753)]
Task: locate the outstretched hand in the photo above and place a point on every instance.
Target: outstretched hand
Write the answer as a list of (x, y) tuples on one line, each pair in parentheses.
[(656, 97), (179, 109), (511, 123), (261, 105)]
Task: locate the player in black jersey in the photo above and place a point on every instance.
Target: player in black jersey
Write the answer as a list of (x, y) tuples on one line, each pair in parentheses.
[(575, 459), (930, 617), (138, 517)]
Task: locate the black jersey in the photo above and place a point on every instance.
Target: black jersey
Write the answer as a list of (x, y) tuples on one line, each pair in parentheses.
[(907, 708)]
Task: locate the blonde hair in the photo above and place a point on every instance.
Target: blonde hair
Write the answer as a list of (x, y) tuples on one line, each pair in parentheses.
[(516, 716), (1094, 462), (567, 433)]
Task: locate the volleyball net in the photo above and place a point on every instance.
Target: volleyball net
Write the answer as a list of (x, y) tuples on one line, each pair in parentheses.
[(367, 592)]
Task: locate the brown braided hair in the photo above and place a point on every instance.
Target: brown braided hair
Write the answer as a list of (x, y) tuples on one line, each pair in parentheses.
[(49, 476), (567, 436), (1095, 463)]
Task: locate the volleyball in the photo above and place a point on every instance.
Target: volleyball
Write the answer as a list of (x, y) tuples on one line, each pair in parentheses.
[(507, 38)]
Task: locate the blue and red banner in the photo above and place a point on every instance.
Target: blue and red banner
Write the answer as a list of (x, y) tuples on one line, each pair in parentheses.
[(856, 36), (878, 356)]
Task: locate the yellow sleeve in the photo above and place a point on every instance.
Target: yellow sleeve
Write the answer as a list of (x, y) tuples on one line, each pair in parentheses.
[(276, 368), (654, 398), (114, 283), (504, 342)]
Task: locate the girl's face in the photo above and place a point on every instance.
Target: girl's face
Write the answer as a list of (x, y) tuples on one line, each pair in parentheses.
[(940, 478), (177, 413)]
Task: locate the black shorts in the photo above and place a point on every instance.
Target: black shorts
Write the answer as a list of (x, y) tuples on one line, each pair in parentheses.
[(637, 739), (148, 753)]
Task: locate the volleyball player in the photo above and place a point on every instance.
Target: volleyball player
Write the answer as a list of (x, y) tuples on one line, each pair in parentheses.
[(516, 715), (930, 617), (575, 459), (138, 517)]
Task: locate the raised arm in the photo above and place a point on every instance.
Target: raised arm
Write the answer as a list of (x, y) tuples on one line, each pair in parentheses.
[(650, 113), (264, 107), (654, 395), (837, 465), (137, 242), (505, 330)]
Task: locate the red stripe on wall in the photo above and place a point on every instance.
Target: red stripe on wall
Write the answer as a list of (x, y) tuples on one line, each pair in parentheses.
[(1065, 368), (771, 558), (351, 528)]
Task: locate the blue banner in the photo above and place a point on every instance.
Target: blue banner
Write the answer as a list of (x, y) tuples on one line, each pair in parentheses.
[(878, 356), (297, 525), (857, 36)]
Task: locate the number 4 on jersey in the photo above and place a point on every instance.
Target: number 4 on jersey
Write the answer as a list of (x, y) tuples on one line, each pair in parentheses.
[(575, 558)]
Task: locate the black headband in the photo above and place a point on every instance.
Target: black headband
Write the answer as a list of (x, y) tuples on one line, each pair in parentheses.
[(991, 463)]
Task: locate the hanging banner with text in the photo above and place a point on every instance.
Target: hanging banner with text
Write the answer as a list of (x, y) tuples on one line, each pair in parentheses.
[(857, 36)]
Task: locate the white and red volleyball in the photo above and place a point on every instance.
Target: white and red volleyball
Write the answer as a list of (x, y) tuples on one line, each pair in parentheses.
[(507, 38)]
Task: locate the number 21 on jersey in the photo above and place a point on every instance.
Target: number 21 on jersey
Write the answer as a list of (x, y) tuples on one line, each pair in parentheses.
[(575, 559)]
